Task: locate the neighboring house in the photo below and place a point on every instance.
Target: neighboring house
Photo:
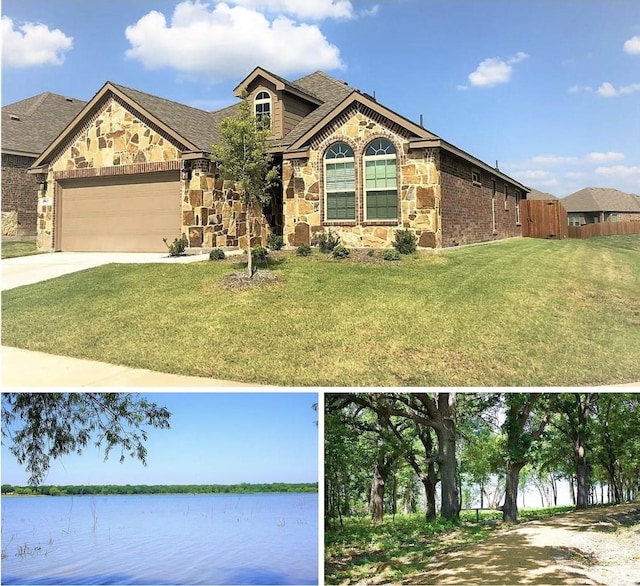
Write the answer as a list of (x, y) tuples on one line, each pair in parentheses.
[(28, 127), (131, 169), (541, 195), (592, 205)]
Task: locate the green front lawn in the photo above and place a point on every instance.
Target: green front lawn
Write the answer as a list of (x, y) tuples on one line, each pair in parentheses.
[(11, 249), (520, 312)]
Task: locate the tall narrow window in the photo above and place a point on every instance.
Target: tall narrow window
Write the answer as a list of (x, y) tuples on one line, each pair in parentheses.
[(518, 198), (340, 182), (493, 204), (262, 108), (381, 180)]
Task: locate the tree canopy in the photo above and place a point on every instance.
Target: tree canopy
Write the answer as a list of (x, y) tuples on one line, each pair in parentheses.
[(44, 426), (477, 449)]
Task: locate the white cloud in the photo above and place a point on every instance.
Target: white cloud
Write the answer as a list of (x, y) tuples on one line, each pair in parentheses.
[(607, 90), (494, 71), (632, 46), (575, 89), (619, 171), (553, 160), (302, 9), (604, 157), (373, 11), (32, 44), (228, 41)]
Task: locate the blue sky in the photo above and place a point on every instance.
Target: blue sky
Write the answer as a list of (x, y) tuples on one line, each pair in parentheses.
[(549, 89), (215, 438)]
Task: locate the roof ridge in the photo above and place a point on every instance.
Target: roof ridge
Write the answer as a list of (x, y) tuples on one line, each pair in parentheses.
[(156, 97)]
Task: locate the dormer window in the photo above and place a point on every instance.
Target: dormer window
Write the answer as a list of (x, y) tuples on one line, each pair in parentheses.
[(262, 109)]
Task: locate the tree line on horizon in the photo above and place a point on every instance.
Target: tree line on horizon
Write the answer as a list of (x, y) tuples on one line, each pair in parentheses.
[(386, 452), (128, 489)]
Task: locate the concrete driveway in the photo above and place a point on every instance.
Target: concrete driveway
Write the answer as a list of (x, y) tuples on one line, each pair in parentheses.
[(26, 270)]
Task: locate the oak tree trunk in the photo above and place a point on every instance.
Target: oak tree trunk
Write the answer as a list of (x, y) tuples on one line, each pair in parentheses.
[(510, 507)]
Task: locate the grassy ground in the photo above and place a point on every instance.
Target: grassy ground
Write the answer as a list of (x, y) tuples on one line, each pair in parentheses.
[(11, 249), (522, 312), (393, 551)]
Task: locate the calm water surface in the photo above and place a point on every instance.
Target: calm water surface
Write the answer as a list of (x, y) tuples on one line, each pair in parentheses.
[(161, 539)]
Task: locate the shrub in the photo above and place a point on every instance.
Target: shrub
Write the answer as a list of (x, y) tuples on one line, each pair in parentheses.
[(405, 242), (304, 250), (327, 241), (275, 241), (177, 247), (391, 254), (341, 251), (217, 254), (259, 254)]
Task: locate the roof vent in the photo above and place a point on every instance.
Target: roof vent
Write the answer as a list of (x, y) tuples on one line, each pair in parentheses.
[(14, 117), (69, 99)]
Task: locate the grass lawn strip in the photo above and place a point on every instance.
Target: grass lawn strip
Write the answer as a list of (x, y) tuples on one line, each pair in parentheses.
[(522, 312), (13, 249)]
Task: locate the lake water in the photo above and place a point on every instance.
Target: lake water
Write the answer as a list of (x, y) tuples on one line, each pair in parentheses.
[(161, 539)]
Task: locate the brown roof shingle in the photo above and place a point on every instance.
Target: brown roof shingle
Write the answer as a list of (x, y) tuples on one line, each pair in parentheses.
[(197, 126), (29, 126), (601, 199)]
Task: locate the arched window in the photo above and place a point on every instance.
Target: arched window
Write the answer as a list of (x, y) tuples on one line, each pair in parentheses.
[(340, 182), (262, 109), (380, 180)]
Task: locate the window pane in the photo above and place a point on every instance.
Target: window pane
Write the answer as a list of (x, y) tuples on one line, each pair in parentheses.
[(340, 176), (340, 150), (380, 174), (380, 146), (382, 205), (341, 206)]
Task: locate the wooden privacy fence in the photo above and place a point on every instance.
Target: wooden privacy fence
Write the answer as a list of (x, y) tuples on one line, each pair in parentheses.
[(604, 229), (543, 219), (548, 219)]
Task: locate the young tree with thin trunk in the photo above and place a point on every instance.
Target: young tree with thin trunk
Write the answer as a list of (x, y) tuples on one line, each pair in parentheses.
[(241, 156)]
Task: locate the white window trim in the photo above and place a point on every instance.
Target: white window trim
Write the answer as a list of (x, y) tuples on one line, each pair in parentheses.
[(365, 191), (518, 200), (326, 191), (267, 100), (476, 178)]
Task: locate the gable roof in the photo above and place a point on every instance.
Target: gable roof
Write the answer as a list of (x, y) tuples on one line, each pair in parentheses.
[(601, 199), (196, 126), (280, 82), (542, 195), (30, 125), (190, 127)]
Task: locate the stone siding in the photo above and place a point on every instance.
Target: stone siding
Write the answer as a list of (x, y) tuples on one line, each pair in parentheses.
[(213, 214), (114, 141), (19, 196), (467, 209), (418, 187)]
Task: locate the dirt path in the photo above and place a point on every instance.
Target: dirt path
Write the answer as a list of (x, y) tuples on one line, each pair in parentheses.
[(595, 547)]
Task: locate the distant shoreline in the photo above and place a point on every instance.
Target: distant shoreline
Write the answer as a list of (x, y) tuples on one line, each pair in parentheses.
[(150, 489)]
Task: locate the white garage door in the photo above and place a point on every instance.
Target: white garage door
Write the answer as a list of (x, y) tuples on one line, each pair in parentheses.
[(128, 213)]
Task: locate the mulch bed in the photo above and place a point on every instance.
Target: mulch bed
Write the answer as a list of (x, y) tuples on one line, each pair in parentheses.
[(241, 281)]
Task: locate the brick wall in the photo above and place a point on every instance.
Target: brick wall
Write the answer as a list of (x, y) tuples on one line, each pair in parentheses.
[(467, 211), (20, 192)]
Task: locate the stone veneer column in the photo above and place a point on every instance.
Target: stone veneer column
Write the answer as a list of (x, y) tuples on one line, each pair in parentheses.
[(45, 215)]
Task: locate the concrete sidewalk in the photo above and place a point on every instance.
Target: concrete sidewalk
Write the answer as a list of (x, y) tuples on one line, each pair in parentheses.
[(24, 368)]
